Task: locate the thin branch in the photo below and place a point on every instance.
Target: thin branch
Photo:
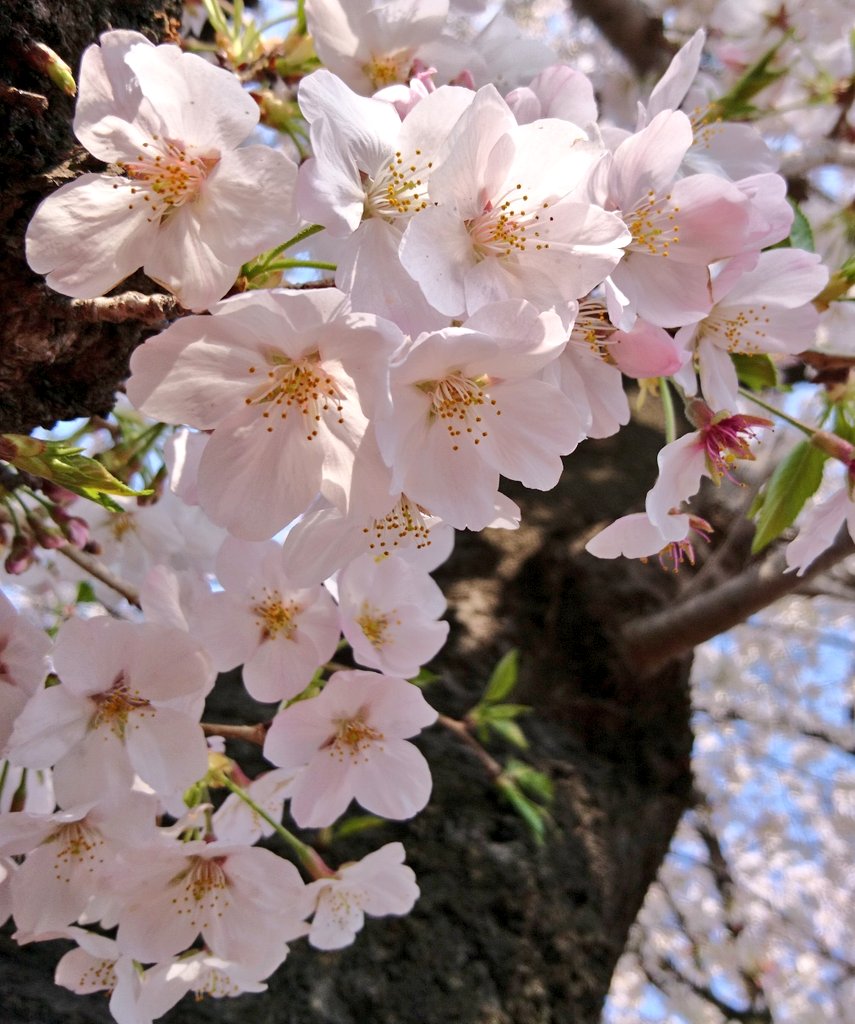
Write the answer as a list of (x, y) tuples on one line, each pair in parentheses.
[(249, 733), (115, 309), (461, 731), (653, 641), (101, 572)]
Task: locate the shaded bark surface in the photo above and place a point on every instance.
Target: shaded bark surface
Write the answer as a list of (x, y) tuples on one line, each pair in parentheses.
[(51, 365), (505, 932)]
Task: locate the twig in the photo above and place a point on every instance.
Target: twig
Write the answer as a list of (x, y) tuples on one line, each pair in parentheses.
[(249, 733), (461, 731), (654, 640), (101, 572)]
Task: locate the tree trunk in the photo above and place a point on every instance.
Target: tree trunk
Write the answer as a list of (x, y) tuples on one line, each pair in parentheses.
[(506, 931)]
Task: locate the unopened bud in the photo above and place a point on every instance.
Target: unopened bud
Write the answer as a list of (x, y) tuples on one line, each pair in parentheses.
[(20, 556), (48, 61)]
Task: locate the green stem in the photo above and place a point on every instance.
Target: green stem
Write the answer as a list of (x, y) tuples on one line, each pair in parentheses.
[(309, 858), (301, 26), (668, 410), (805, 429), (293, 264), (301, 236)]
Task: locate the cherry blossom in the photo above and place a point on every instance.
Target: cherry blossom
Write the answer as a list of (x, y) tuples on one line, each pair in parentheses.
[(129, 701), (246, 902), (387, 611), (377, 885), (280, 633), (273, 375), (819, 527), (23, 664), (465, 408), (189, 206), (507, 224), (351, 741)]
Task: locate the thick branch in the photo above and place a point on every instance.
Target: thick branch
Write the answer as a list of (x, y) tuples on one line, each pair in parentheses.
[(116, 309), (653, 641), (631, 29)]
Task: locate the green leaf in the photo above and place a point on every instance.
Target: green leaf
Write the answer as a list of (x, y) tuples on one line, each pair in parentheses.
[(359, 823), (755, 372), (735, 103), (801, 233), (534, 816), (498, 712), (424, 678), (794, 480), (510, 733), (537, 784), (503, 679), (66, 466), (85, 593)]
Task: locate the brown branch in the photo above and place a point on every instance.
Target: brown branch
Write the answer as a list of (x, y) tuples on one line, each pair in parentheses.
[(101, 572), (461, 731), (631, 29), (249, 733), (116, 309), (653, 641)]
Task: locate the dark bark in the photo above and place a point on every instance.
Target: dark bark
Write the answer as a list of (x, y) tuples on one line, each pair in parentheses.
[(632, 30), (505, 932), (53, 365)]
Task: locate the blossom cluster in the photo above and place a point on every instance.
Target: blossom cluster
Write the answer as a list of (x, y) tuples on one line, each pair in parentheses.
[(504, 260)]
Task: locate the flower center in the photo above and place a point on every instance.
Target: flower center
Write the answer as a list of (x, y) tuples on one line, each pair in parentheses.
[(169, 174), (353, 737), (275, 616), (405, 523), (461, 403), (203, 891), (375, 625), (76, 845), (387, 69), (122, 523), (508, 226), (744, 332), (300, 386), (653, 225), (398, 189), (593, 329), (114, 706)]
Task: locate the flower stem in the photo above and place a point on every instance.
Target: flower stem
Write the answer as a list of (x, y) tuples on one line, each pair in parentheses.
[(301, 236), (309, 858), (668, 410), (292, 264), (803, 427)]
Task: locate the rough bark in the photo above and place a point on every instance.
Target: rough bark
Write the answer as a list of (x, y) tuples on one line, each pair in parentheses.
[(505, 932), (53, 365), (632, 30)]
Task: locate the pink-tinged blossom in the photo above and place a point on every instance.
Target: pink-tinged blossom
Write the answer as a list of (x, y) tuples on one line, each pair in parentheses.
[(351, 742), (274, 375), (388, 612), (466, 407), (279, 632), (129, 702), (188, 205), (23, 664), (97, 964), (371, 45), (246, 902), (678, 226), (820, 525), (635, 536), (368, 177), (558, 91), (709, 451), (378, 885), (761, 305), (505, 223), (70, 854), (324, 540)]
